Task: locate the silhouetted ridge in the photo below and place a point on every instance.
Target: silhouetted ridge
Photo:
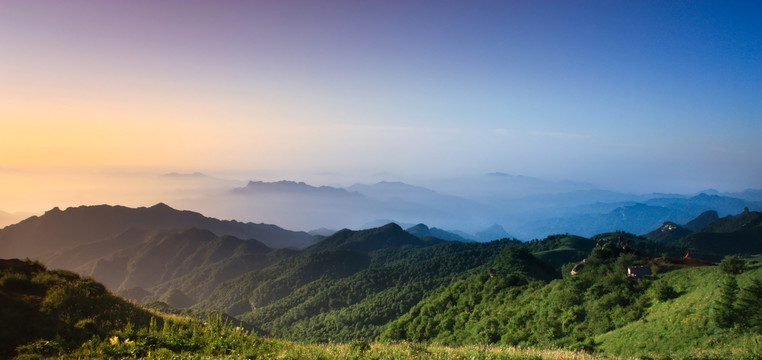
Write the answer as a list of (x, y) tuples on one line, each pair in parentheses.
[(387, 236), (702, 220), (493, 232), (292, 187), (422, 231), (738, 234), (58, 230)]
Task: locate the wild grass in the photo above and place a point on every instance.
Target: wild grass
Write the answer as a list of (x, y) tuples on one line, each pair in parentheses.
[(683, 326)]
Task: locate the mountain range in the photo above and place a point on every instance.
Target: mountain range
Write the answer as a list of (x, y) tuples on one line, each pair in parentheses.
[(581, 209), (40, 236), (381, 282)]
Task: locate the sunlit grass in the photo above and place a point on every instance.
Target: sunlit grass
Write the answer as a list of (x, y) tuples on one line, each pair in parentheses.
[(415, 351)]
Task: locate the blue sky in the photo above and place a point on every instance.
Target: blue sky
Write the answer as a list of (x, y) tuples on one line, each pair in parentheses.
[(629, 95)]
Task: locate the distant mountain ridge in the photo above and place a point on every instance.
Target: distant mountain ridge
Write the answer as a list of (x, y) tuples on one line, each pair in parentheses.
[(421, 230), (739, 234), (642, 217), (60, 229), (701, 221), (387, 236), (7, 218), (668, 233), (292, 187), (525, 207)]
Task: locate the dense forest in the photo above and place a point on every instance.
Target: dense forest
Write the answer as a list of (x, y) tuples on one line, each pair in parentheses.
[(385, 293)]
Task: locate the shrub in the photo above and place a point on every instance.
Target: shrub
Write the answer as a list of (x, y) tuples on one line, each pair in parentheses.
[(40, 347), (359, 346), (14, 282), (664, 291), (732, 264)]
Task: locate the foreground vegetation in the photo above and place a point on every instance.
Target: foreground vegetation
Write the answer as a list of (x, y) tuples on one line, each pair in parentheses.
[(58, 314), (680, 313)]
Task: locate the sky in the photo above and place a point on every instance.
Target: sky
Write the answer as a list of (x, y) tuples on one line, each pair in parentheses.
[(635, 96)]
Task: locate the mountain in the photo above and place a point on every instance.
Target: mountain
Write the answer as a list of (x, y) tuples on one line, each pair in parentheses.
[(597, 309), (195, 175), (668, 233), (386, 190), (640, 217), (404, 196), (748, 194), (559, 250), (497, 187), (58, 230), (421, 231), (492, 233), (381, 222), (58, 314), (724, 205), (177, 299), (702, 220), (388, 236), (145, 264), (415, 204), (322, 232), (292, 188), (529, 207), (300, 205), (7, 218), (288, 203), (738, 234), (57, 306), (348, 290)]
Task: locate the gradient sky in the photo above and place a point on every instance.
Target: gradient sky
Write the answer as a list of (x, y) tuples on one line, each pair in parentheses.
[(628, 95)]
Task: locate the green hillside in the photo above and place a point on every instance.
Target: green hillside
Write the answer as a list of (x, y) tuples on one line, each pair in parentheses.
[(145, 264), (685, 322), (599, 309), (58, 314), (559, 250), (346, 294)]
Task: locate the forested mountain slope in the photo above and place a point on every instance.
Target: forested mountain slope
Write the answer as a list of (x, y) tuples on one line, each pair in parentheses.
[(337, 291), (599, 308), (145, 264), (740, 234)]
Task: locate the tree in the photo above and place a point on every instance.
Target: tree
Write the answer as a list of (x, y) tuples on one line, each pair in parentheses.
[(750, 305), (664, 291), (732, 264), (725, 314)]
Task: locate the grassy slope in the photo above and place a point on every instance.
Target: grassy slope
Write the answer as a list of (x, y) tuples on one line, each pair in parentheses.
[(683, 325)]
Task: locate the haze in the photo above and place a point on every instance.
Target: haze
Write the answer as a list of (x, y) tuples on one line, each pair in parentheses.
[(99, 99)]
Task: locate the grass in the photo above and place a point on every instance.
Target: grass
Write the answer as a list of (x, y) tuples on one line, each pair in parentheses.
[(683, 326), (415, 351)]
